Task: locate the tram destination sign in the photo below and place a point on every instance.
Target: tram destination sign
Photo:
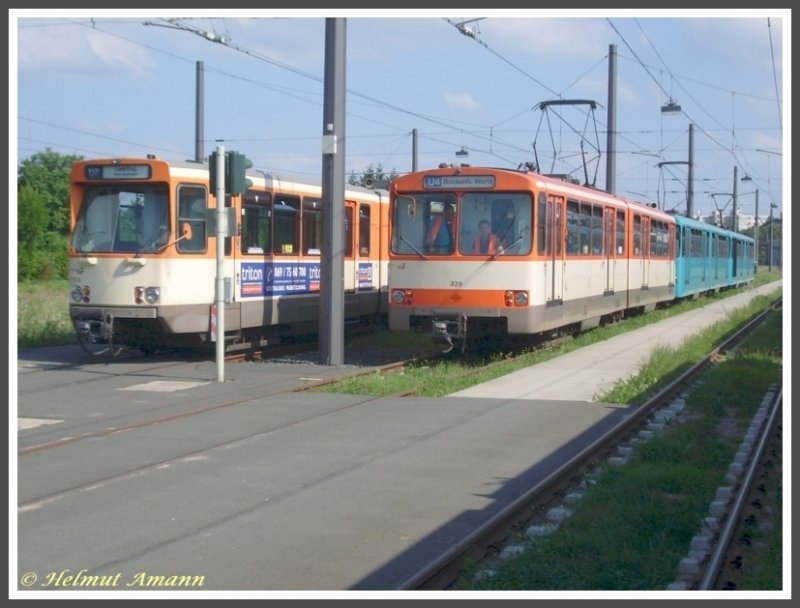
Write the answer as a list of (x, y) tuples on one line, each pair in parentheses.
[(458, 181), (117, 171)]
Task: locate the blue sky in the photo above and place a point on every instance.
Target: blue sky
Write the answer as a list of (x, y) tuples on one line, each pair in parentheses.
[(114, 83)]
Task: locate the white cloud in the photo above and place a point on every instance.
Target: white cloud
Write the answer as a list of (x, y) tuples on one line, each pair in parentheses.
[(120, 55), (462, 100), (73, 50)]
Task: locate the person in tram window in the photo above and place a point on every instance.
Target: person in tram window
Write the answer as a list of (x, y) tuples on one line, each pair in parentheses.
[(485, 241), (441, 238)]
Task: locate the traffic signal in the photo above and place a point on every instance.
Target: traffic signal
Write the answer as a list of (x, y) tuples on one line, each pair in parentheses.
[(236, 166), (212, 172)]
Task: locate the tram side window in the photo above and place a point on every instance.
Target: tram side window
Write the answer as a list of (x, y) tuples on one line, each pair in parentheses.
[(696, 245), (256, 223), (543, 226), (596, 247), (192, 210), (285, 225), (573, 227), (659, 239), (724, 250), (586, 229), (312, 226), (348, 232), (620, 233), (364, 222), (637, 235)]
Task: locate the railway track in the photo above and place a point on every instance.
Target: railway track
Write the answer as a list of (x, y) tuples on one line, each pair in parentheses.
[(740, 509), (715, 558)]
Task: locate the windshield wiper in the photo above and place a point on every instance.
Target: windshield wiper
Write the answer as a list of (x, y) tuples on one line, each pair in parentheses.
[(502, 250), (155, 244), (422, 255)]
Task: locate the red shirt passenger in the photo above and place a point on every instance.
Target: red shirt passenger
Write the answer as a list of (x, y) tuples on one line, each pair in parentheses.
[(485, 242)]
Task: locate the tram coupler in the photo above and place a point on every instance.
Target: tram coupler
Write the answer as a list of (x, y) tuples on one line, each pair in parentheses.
[(446, 330), (96, 330)]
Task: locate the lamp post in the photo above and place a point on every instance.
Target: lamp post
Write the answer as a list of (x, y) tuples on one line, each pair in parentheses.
[(771, 207), (755, 234), (747, 178), (734, 219)]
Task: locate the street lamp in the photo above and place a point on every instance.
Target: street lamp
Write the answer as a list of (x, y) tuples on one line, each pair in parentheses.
[(671, 107), (771, 207), (747, 178)]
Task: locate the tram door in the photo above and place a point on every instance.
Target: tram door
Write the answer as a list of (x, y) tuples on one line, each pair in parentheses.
[(608, 247), (554, 221), (350, 264), (645, 251)]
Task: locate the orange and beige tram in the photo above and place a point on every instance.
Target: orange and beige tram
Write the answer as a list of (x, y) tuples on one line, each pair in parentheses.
[(143, 256), (562, 256)]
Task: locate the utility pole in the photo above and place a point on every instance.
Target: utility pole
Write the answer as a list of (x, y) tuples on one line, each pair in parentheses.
[(331, 301), (734, 222), (747, 178), (771, 247), (198, 121), (414, 152), (690, 176), (611, 181), (219, 285), (755, 232)]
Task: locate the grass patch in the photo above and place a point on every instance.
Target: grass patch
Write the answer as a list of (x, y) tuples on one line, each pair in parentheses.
[(43, 314), (666, 364), (629, 533), (456, 373)]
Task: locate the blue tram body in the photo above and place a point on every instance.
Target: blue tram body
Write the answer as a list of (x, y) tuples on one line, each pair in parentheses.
[(710, 258)]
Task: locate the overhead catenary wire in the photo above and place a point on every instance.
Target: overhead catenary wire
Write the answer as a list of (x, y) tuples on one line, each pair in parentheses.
[(490, 134)]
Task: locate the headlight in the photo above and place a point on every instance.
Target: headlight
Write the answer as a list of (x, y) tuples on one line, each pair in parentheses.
[(515, 298), (146, 295), (77, 294)]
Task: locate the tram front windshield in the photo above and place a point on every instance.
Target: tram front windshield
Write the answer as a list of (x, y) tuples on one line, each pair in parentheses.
[(444, 223), (122, 219)]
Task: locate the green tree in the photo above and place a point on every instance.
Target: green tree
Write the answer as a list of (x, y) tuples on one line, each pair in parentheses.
[(48, 174), (31, 233), (765, 230), (43, 215), (372, 177)]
